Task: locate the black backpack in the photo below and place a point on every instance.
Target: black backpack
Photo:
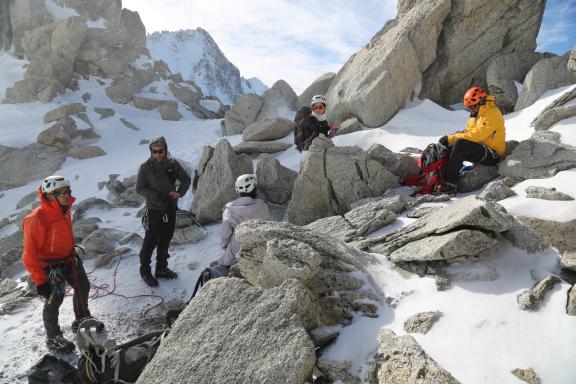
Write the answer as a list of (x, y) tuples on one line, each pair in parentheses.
[(119, 364), (52, 370), (300, 119)]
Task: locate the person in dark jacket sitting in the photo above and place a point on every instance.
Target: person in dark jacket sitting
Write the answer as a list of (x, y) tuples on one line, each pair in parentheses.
[(313, 125), (156, 182)]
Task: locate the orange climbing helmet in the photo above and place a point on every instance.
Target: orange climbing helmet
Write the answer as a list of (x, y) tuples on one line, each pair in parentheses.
[(474, 95)]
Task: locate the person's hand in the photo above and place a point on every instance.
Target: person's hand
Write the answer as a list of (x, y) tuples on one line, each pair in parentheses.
[(443, 140), (174, 195), (43, 290)]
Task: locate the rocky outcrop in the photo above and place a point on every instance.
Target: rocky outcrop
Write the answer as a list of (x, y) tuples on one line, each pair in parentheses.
[(87, 152), (536, 192), (558, 234), (93, 202), (256, 147), (545, 75), (35, 161), (571, 301), (401, 165), (273, 252), (279, 101), (268, 129), (217, 174), (378, 80), (24, 16), (401, 360), (123, 193), (65, 111), (360, 221), (462, 229), (496, 191), (11, 254), (275, 182), (350, 125), (60, 49), (52, 50), (568, 260), (422, 322), (332, 178), (531, 299), (527, 375), (476, 178), (506, 69), (318, 87), (255, 335), (536, 158), (524, 237), (102, 240), (555, 112), (467, 46), (242, 114)]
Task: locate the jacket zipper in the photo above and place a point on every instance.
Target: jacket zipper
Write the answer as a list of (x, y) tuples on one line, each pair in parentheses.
[(52, 245)]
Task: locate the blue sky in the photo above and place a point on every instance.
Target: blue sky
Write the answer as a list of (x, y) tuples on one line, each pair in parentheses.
[(558, 30), (299, 40)]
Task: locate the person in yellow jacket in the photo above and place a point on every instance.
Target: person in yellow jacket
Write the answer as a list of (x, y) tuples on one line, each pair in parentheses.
[(484, 139)]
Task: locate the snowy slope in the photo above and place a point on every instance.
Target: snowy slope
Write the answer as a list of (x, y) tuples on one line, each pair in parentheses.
[(195, 55), (482, 335)]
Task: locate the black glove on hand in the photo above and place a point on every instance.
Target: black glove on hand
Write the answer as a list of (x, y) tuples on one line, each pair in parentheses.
[(43, 290), (443, 140)]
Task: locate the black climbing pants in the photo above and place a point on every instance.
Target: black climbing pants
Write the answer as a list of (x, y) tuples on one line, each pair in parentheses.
[(159, 227), (73, 272), (466, 150)]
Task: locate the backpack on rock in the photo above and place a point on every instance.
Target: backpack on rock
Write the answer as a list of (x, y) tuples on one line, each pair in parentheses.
[(118, 364), (431, 177)]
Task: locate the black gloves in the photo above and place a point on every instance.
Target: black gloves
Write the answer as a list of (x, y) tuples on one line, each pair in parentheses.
[(43, 290), (444, 141)]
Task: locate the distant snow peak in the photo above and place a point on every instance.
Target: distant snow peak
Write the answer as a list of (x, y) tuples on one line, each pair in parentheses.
[(197, 57)]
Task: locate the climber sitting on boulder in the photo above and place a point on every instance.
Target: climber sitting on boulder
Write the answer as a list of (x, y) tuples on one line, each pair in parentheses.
[(484, 139), (311, 122), (245, 207)]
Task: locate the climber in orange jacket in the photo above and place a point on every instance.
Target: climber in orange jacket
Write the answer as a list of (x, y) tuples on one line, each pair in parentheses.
[(51, 260), (484, 139)]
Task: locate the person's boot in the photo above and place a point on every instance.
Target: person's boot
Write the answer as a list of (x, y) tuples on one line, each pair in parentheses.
[(97, 323), (60, 344), (166, 273), (149, 279)]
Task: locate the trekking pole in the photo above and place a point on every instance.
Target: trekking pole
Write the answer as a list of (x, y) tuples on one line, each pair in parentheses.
[(193, 217)]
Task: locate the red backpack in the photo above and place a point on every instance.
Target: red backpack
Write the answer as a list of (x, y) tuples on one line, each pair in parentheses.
[(432, 175)]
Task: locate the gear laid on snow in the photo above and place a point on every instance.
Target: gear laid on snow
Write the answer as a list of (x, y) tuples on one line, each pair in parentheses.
[(245, 183), (54, 182), (97, 323)]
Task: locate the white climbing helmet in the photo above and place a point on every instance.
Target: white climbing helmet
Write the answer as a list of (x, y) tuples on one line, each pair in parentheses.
[(245, 183), (54, 182), (318, 99)]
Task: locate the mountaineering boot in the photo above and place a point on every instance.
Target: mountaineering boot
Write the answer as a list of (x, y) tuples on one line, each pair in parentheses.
[(149, 279), (166, 273), (97, 323), (60, 344)]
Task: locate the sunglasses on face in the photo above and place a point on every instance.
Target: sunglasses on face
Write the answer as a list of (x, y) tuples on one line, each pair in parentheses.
[(66, 192), (319, 106), (157, 151)]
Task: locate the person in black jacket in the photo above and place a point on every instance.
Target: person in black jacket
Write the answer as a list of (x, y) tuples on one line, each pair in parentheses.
[(156, 182), (311, 126)]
